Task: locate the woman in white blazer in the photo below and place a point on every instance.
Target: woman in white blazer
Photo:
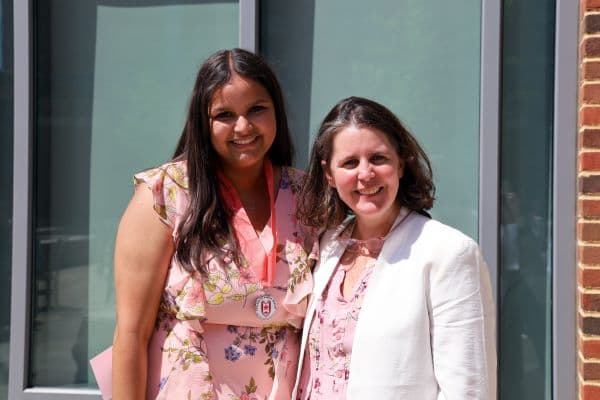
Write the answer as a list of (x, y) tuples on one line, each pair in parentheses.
[(402, 305)]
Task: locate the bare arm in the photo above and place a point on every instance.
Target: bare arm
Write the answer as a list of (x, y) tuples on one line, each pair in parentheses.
[(143, 250)]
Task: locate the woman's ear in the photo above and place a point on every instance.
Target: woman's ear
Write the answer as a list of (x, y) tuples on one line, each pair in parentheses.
[(401, 166), (327, 173)]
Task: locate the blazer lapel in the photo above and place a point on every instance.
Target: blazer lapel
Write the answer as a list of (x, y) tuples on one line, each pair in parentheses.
[(330, 255)]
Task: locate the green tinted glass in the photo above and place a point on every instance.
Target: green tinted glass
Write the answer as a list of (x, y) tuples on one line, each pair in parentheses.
[(525, 295), (113, 81), (420, 59)]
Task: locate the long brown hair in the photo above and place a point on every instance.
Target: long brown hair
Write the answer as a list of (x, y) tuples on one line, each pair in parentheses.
[(206, 226), (319, 205)]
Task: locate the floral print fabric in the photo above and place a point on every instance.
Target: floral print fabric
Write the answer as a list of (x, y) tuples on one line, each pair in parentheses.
[(326, 368), (209, 342)]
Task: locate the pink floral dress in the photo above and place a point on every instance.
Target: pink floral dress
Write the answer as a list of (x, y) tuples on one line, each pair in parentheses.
[(326, 368), (211, 338)]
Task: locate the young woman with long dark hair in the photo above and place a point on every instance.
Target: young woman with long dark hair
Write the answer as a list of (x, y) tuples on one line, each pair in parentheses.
[(212, 271)]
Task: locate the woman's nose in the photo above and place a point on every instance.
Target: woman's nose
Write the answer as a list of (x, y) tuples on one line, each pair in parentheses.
[(365, 172), (242, 124)]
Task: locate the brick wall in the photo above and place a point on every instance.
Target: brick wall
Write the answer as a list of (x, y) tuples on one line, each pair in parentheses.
[(588, 207)]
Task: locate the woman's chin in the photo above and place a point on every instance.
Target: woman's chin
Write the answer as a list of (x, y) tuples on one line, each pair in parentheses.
[(376, 213)]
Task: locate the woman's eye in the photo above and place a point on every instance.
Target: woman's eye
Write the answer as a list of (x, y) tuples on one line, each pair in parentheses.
[(349, 163), (257, 108), (378, 159), (222, 116)]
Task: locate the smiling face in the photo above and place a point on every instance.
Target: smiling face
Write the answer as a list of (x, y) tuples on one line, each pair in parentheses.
[(242, 124), (365, 170)]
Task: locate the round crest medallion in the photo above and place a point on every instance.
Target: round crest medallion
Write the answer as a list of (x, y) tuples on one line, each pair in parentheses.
[(265, 306)]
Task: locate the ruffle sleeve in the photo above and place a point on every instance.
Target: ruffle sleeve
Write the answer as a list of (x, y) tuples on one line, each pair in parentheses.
[(300, 252), (169, 186), (301, 258)]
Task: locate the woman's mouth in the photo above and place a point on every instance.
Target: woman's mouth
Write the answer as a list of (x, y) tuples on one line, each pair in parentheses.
[(245, 141), (370, 192)]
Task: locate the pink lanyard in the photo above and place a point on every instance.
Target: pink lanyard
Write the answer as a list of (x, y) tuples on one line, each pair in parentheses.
[(259, 250)]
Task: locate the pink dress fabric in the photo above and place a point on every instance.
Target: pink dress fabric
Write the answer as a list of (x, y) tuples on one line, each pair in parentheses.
[(209, 342), (326, 368)]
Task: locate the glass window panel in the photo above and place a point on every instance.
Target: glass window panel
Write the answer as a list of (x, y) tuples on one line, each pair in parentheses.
[(525, 303), (6, 182), (113, 80), (418, 58)]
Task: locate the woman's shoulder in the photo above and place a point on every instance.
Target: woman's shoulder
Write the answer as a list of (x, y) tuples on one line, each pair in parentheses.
[(429, 238), (169, 184), (433, 229), (173, 173), (329, 238), (291, 178)]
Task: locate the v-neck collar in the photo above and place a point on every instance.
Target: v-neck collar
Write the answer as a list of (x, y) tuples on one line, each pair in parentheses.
[(258, 248)]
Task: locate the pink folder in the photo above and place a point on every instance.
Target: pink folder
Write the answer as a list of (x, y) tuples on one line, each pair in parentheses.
[(102, 368)]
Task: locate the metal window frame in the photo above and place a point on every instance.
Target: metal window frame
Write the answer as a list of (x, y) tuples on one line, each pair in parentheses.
[(248, 36), (489, 135), (20, 305), (22, 267), (489, 138), (564, 340), (564, 315)]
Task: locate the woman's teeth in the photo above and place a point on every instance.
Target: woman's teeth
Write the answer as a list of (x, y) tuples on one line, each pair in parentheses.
[(244, 141), (369, 191)]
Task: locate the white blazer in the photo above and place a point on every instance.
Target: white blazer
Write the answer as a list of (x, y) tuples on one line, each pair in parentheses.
[(426, 330)]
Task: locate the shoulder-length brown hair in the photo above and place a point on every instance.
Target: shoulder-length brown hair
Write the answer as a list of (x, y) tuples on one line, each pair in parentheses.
[(206, 226), (319, 205)]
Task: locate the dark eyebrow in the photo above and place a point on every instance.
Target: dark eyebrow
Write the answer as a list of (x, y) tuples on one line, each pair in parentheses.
[(348, 158), (218, 110), (260, 101)]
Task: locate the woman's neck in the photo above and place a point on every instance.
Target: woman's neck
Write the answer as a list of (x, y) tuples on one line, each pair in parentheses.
[(246, 179), (371, 228)]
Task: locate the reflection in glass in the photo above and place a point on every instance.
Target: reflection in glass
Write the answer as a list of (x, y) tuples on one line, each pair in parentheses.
[(112, 84), (390, 51), (526, 209), (6, 170)]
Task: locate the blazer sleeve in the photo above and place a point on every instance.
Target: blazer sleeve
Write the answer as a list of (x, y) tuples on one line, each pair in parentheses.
[(462, 317)]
